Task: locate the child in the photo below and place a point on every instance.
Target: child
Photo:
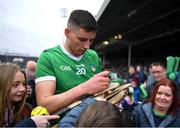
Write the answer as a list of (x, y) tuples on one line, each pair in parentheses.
[(13, 96), (105, 114), (92, 113), (133, 97)]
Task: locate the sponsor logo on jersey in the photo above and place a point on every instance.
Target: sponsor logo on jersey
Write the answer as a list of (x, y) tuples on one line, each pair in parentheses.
[(93, 68), (65, 68)]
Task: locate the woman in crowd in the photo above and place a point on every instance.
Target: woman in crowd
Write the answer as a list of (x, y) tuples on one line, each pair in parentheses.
[(12, 99), (161, 110)]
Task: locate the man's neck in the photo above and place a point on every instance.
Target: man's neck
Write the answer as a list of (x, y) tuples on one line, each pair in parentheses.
[(68, 53)]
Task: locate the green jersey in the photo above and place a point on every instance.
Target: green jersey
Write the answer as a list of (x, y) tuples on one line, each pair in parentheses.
[(55, 64)]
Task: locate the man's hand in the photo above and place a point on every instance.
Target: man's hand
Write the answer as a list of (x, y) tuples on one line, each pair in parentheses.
[(97, 83)]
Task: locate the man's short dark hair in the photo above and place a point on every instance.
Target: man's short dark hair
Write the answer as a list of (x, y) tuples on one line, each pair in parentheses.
[(82, 19), (157, 63)]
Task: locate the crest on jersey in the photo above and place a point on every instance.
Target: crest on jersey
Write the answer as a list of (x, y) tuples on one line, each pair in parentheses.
[(93, 68)]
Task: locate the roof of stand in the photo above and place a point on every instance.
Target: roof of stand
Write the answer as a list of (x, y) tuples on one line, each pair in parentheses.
[(138, 22)]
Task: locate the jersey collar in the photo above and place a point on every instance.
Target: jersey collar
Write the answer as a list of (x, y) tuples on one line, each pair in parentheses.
[(70, 55)]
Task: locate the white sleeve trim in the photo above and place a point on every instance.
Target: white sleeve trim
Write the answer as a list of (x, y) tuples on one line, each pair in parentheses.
[(44, 78)]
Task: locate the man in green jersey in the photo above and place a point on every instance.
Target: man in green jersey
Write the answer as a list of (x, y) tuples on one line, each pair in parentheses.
[(71, 70)]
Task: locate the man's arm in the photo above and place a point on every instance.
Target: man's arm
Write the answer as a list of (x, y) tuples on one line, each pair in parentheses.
[(45, 92)]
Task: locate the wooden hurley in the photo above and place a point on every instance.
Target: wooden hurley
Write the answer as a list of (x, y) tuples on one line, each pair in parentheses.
[(118, 97), (111, 87), (113, 94)]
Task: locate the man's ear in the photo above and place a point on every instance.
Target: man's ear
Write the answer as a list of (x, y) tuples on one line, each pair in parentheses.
[(66, 32)]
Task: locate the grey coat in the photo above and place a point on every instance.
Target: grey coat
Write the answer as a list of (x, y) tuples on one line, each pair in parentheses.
[(144, 117)]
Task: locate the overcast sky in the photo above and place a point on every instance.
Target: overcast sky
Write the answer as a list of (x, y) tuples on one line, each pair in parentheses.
[(27, 27)]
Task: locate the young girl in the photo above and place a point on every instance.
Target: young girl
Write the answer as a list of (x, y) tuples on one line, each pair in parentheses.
[(13, 96)]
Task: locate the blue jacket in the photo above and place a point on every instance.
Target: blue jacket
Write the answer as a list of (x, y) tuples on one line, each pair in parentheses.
[(71, 118), (144, 117)]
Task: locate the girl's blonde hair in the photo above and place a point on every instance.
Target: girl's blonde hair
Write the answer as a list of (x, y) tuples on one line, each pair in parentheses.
[(7, 74)]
